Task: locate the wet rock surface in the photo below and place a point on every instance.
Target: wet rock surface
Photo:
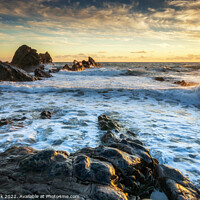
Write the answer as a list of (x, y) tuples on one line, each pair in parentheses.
[(9, 72), (42, 74), (80, 66), (107, 124), (161, 79), (120, 169), (184, 83), (46, 115)]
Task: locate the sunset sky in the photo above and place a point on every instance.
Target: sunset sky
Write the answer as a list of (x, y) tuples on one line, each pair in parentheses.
[(112, 30)]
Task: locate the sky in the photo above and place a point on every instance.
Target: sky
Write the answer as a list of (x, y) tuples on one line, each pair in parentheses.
[(107, 30)]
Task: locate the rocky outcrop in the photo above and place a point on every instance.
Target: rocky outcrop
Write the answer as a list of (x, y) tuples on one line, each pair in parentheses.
[(28, 59), (11, 73), (42, 74), (45, 58), (80, 66), (121, 169), (92, 63), (77, 66), (66, 67)]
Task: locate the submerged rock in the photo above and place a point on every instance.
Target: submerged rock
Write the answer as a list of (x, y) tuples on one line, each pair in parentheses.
[(11, 73), (160, 79), (5, 122), (41, 73), (184, 83), (46, 115), (15, 121)]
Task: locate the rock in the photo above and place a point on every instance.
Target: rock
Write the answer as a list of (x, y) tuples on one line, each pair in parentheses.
[(184, 83), (45, 58), (131, 133), (108, 193), (131, 72), (5, 122), (174, 184), (25, 57), (46, 115), (159, 79), (92, 170), (42, 73), (54, 70), (122, 169), (85, 64), (106, 124), (92, 63), (67, 67), (108, 137), (14, 121), (77, 66), (11, 73), (24, 170)]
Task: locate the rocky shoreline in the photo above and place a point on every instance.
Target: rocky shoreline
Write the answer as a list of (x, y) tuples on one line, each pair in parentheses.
[(119, 169), (27, 60)]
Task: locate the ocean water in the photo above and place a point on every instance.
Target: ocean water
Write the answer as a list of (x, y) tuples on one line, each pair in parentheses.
[(164, 115)]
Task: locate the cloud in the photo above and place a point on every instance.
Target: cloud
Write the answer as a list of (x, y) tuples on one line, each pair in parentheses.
[(138, 52)]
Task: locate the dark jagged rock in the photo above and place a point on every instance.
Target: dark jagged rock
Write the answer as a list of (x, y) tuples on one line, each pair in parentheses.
[(11, 73), (45, 58), (54, 70), (42, 73), (86, 64), (87, 169), (107, 124), (122, 169), (92, 63), (80, 66), (5, 122), (46, 115), (160, 79), (77, 66), (174, 184), (108, 193), (28, 59), (108, 137), (67, 67), (25, 57)]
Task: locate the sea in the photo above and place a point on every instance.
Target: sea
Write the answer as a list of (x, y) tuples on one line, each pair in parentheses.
[(165, 116)]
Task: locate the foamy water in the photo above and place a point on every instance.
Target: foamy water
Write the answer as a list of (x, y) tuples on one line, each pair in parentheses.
[(164, 115)]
